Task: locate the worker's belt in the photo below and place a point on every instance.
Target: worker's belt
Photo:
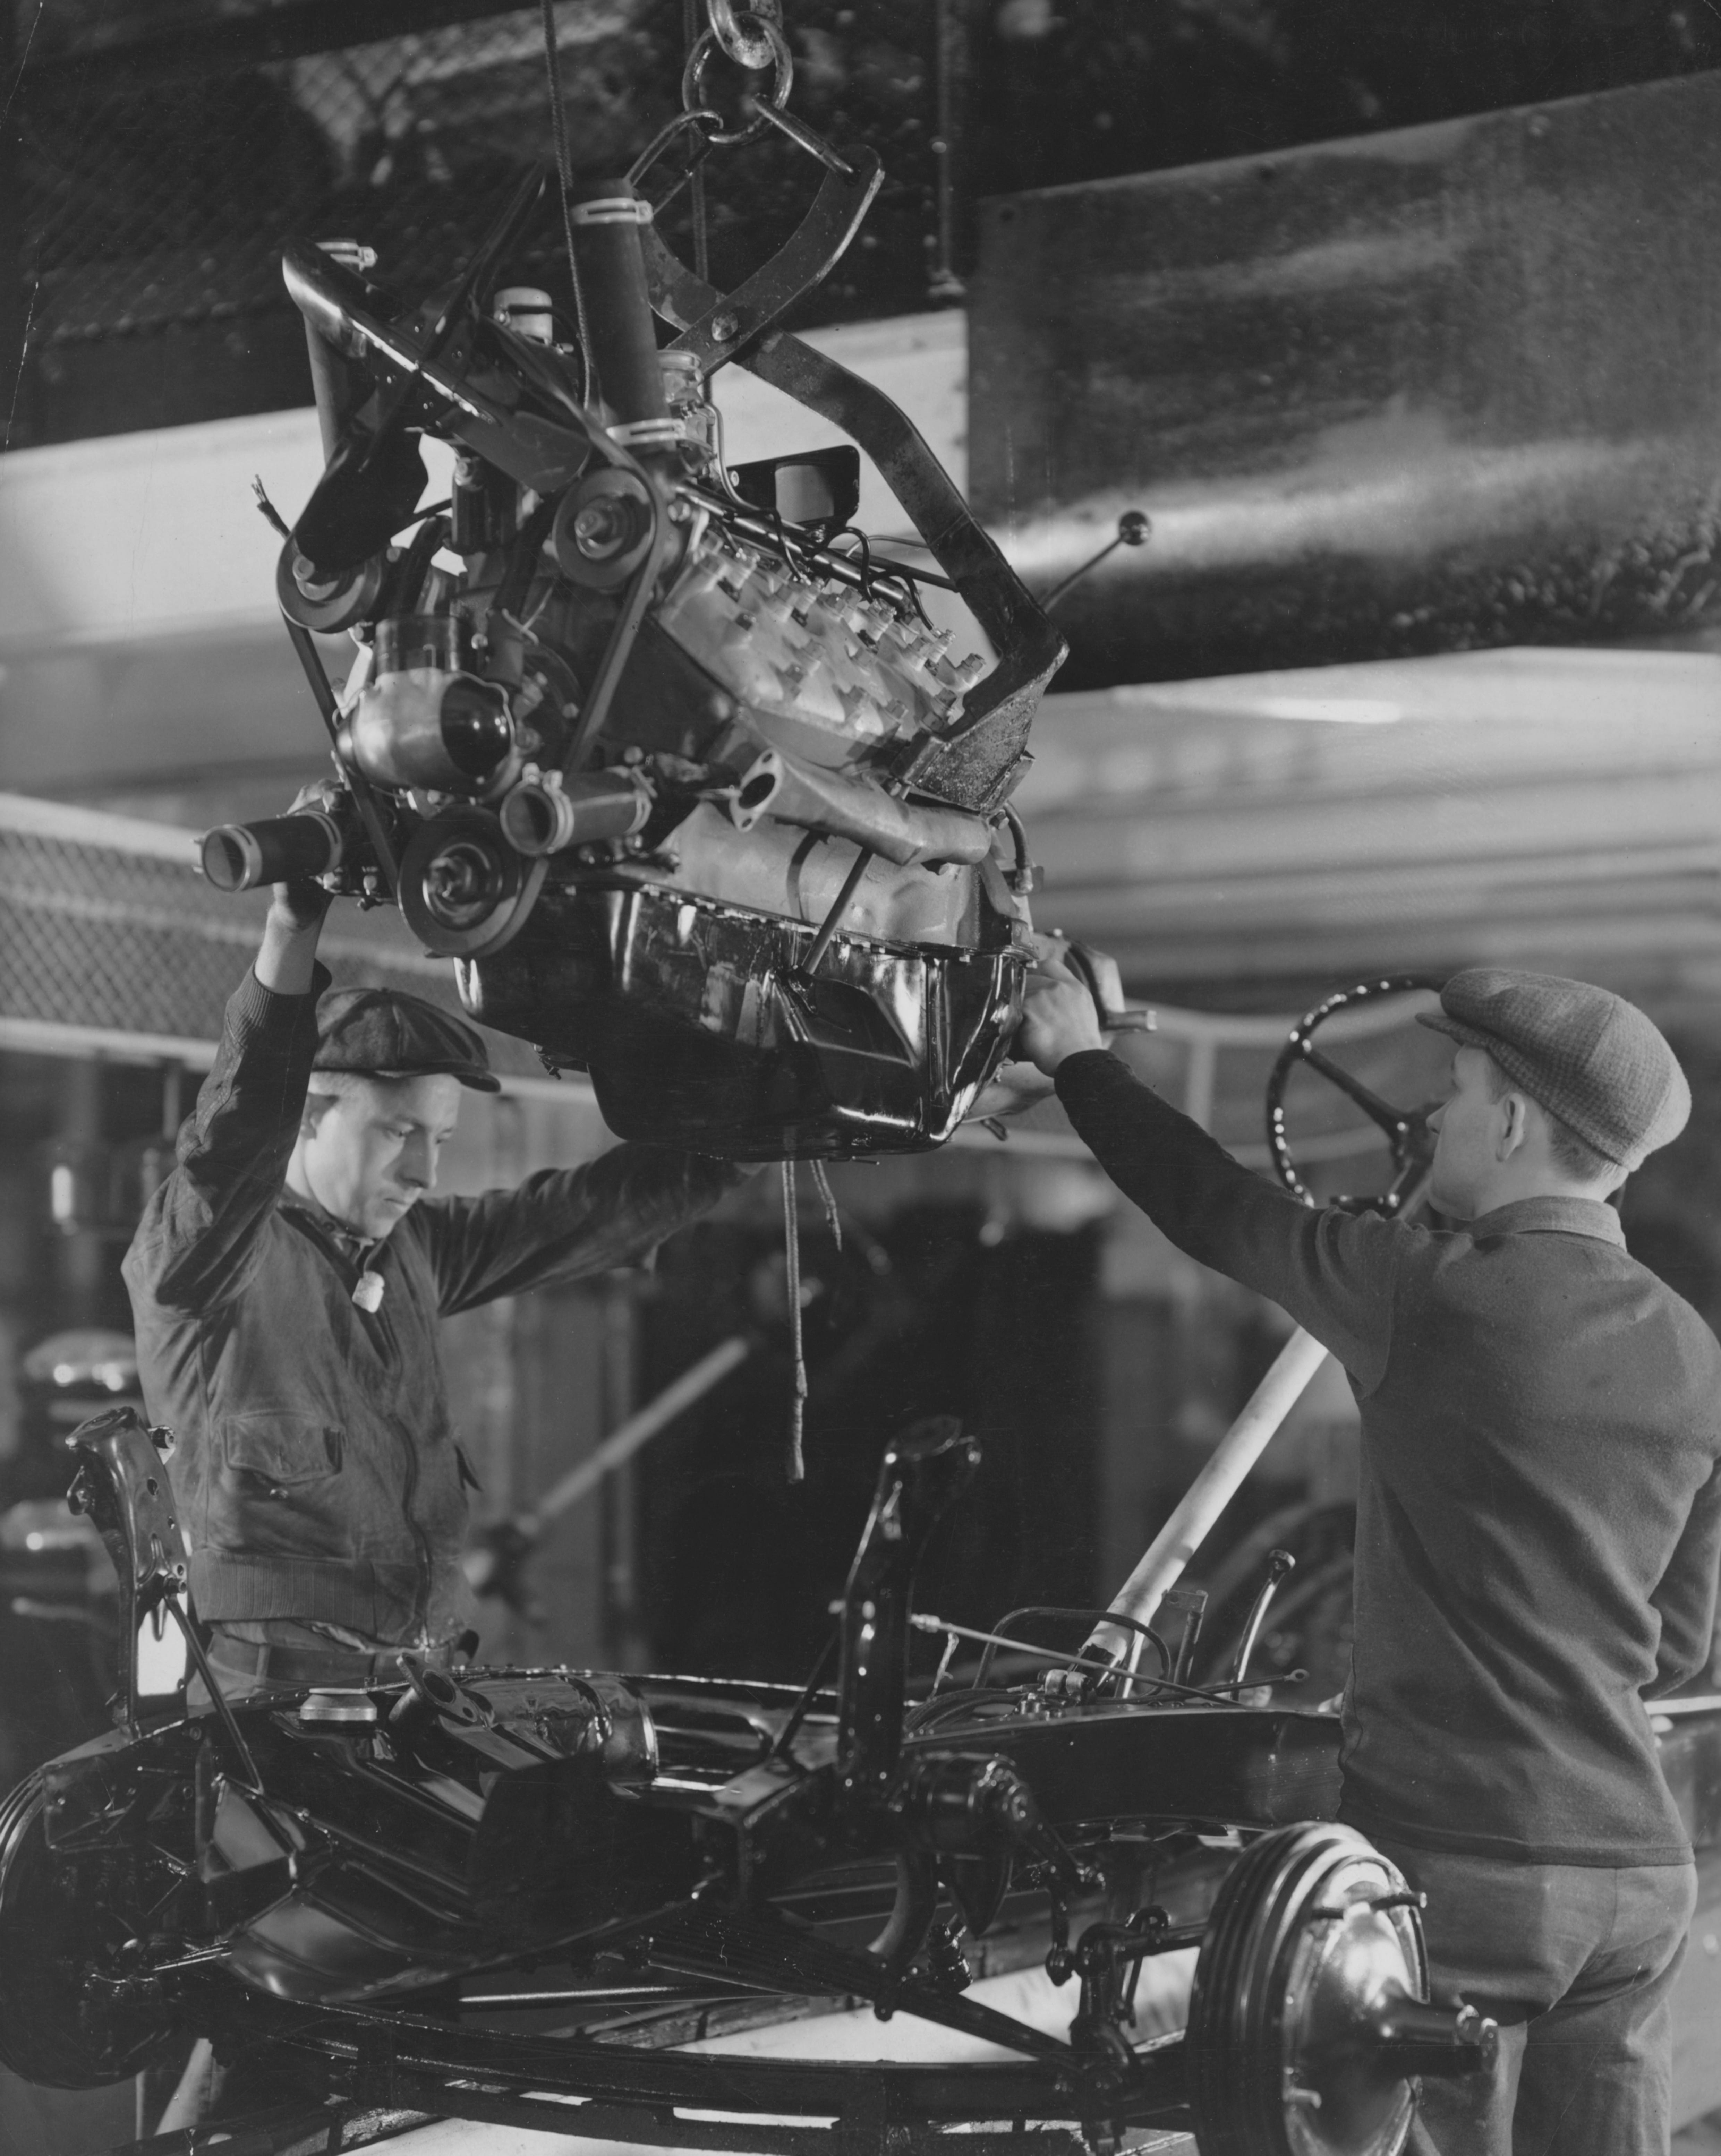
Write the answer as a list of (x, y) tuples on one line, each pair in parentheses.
[(319, 1666)]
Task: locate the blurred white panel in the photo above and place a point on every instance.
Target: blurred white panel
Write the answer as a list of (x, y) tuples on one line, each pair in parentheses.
[(134, 537), (131, 537)]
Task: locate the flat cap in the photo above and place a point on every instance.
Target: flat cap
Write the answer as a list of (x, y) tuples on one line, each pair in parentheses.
[(385, 1034), (1586, 1055)]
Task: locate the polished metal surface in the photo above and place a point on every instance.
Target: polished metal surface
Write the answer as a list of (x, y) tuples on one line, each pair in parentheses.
[(703, 1019)]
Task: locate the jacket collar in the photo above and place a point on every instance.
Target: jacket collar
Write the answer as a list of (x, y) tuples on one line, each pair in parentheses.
[(1551, 1216), (358, 1249)]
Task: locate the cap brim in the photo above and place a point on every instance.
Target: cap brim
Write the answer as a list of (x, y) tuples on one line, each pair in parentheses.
[(472, 1075), (1466, 1036)]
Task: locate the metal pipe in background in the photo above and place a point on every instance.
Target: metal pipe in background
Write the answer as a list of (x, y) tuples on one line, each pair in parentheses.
[(693, 1383), (495, 1564), (1213, 1489)]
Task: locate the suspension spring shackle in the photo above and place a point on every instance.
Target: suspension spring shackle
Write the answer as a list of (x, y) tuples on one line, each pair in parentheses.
[(605, 217)]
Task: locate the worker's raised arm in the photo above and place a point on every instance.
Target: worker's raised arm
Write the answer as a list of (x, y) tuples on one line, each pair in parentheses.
[(567, 1224), (194, 1246), (1332, 1271)]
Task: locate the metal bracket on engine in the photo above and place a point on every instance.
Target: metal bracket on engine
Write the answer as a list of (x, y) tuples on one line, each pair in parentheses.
[(539, 452), (729, 321), (978, 762)]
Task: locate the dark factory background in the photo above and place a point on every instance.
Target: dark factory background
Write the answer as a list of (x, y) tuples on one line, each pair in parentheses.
[(153, 158)]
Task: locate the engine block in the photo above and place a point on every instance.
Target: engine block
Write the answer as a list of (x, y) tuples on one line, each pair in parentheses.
[(663, 753)]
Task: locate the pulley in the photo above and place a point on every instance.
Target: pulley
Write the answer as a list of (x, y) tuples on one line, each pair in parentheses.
[(464, 889), (326, 600), (602, 529)]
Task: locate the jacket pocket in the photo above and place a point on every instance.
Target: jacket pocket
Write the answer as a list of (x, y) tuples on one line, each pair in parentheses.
[(274, 1453)]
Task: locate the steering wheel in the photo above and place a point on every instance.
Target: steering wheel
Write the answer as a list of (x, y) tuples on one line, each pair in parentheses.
[(1406, 1129)]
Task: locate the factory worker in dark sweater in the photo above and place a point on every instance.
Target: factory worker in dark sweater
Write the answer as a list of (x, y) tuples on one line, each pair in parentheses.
[(1539, 1524)]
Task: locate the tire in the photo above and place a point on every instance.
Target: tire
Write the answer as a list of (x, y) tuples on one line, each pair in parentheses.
[(1279, 2058), (55, 1934)]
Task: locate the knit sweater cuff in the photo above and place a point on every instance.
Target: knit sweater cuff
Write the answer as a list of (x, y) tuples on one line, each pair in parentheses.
[(259, 1011), (1091, 1074), (262, 1019)]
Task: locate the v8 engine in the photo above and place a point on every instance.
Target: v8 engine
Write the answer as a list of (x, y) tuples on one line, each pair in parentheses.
[(664, 755)]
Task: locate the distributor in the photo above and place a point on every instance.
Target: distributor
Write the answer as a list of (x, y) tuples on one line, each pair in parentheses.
[(287, 1279), (1539, 1524)]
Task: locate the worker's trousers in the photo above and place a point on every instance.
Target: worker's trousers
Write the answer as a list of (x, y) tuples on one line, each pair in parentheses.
[(1576, 1963)]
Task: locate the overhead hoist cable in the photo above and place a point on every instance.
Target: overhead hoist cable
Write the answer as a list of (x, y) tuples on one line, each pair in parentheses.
[(792, 1287), (695, 181), (564, 184)]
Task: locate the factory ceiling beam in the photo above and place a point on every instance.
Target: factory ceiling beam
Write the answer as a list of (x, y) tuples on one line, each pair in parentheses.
[(216, 44), (1454, 386), (1556, 808)]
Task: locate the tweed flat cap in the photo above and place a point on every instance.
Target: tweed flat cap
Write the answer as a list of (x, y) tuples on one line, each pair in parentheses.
[(386, 1034), (1586, 1055)]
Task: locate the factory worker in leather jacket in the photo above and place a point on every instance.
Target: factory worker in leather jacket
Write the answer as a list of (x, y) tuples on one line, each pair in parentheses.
[(1539, 1524), (287, 1279)]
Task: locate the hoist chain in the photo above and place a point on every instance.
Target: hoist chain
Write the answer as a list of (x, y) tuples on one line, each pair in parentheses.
[(743, 33), (764, 35)]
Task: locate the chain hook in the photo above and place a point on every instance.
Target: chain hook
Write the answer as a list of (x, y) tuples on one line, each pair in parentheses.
[(701, 124), (747, 48), (778, 57)]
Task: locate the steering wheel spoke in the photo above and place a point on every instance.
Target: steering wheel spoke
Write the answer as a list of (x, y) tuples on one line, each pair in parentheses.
[(1406, 1130), (1397, 1122)]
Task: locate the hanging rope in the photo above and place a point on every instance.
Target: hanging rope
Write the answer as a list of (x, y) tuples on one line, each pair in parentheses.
[(701, 234), (565, 175), (791, 1284), (833, 1219)]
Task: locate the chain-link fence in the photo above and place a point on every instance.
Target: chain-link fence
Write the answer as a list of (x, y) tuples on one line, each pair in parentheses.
[(159, 176), (107, 929), (152, 159)]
